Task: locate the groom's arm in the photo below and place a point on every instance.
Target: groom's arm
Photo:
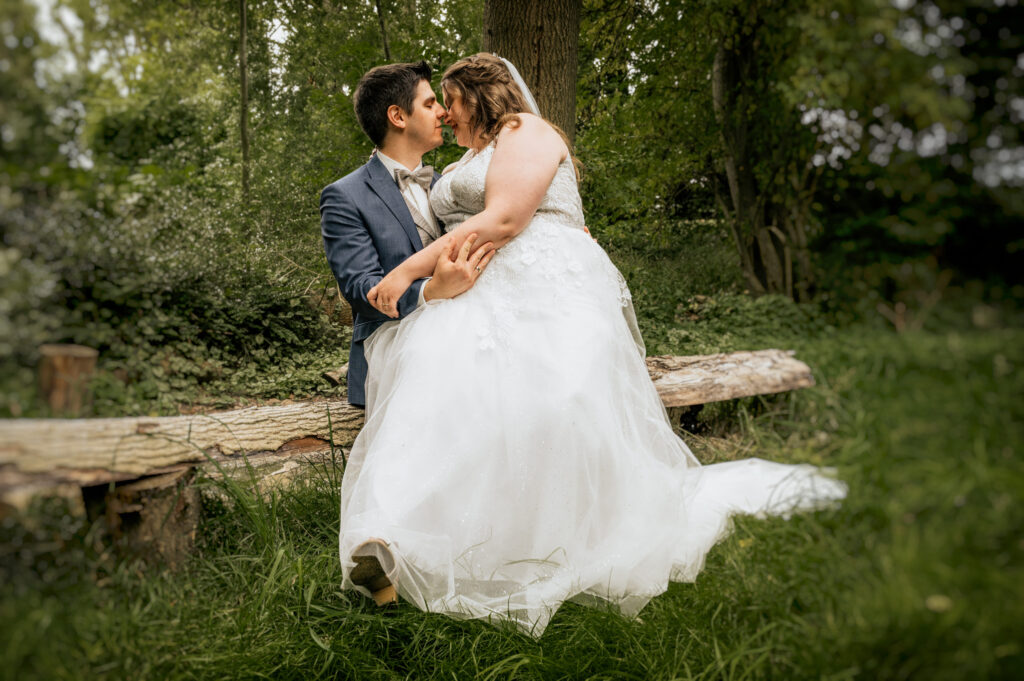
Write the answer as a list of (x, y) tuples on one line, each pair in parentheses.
[(353, 256)]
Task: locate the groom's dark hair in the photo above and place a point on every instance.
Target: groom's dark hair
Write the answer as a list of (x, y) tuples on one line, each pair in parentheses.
[(382, 86)]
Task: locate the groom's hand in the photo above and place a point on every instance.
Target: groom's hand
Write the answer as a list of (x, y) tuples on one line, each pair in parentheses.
[(455, 275)]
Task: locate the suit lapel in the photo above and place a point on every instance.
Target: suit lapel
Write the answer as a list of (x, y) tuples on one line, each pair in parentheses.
[(384, 186)]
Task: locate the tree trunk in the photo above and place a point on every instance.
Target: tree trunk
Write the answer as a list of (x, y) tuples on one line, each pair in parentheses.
[(92, 451), (764, 252), (121, 464), (540, 37), (243, 66), (383, 32), (724, 80)]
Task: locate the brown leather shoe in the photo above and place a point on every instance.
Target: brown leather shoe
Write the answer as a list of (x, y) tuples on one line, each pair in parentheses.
[(369, 573)]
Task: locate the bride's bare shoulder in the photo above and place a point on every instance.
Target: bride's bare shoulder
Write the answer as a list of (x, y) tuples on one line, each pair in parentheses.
[(532, 130), (526, 121)]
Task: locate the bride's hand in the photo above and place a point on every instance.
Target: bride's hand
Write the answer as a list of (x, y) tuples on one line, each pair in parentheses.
[(384, 296)]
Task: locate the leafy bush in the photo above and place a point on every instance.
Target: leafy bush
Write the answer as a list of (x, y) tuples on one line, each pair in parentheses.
[(732, 321), (25, 287), (173, 297)]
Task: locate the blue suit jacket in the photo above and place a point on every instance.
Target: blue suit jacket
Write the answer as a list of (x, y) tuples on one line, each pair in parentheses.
[(367, 232)]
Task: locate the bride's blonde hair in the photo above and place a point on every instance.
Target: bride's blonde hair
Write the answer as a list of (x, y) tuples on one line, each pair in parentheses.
[(490, 95)]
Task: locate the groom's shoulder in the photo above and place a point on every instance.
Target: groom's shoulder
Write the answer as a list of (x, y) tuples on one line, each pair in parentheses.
[(351, 181), (344, 194)]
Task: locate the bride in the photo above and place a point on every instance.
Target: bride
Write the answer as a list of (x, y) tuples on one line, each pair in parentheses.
[(516, 453)]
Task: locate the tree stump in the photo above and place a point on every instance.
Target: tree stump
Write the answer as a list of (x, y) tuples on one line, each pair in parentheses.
[(154, 518), (64, 374), (336, 376)]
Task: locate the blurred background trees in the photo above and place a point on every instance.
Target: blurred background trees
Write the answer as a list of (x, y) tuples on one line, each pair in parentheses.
[(848, 148), (862, 157)]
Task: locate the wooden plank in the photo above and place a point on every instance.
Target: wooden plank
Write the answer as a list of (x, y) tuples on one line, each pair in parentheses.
[(95, 451)]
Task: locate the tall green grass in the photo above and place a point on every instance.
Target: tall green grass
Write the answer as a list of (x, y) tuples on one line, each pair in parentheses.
[(917, 575)]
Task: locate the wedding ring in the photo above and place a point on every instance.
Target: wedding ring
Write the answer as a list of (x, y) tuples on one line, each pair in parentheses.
[(478, 268)]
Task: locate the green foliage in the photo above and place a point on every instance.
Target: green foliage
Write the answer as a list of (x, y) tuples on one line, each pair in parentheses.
[(47, 551), (730, 322), (918, 188), (128, 158), (193, 293), (174, 301), (25, 287), (133, 134), (123, 226), (642, 137), (874, 128)]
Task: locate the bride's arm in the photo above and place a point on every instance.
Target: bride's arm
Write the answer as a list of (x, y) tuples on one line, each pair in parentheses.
[(385, 294), (525, 161)]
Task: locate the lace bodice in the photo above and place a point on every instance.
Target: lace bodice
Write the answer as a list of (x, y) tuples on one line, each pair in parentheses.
[(459, 194), (551, 260)]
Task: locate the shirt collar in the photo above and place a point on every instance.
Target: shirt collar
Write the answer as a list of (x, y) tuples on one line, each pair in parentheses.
[(391, 164)]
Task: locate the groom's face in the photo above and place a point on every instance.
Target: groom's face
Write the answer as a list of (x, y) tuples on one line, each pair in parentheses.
[(424, 121)]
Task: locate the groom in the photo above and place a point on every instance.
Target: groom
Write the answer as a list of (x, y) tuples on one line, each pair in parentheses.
[(378, 215)]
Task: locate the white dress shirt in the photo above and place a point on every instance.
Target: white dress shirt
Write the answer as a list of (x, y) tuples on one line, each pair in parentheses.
[(415, 193)]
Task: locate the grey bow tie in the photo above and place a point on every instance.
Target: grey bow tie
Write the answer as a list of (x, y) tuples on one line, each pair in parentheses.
[(423, 177)]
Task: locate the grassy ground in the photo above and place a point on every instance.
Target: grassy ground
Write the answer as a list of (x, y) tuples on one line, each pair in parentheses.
[(918, 575)]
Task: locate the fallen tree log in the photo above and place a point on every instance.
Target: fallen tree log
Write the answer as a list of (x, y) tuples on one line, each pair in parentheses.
[(700, 379), (49, 453)]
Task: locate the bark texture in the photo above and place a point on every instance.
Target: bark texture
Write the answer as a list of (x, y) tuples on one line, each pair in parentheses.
[(383, 32), (699, 379), (136, 473), (540, 37), (155, 518), (96, 450)]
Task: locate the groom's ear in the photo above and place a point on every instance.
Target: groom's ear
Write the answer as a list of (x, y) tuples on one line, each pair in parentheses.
[(396, 116)]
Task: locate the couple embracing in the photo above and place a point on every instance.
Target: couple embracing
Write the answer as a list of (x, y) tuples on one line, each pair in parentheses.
[(515, 453)]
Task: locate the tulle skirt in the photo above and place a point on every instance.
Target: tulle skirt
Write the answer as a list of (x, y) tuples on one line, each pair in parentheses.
[(516, 454)]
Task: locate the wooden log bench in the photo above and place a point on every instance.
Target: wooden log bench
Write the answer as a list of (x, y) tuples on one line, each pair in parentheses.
[(111, 465)]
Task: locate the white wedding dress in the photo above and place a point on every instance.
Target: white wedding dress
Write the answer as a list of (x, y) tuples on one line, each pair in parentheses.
[(516, 454)]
